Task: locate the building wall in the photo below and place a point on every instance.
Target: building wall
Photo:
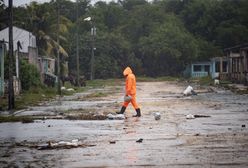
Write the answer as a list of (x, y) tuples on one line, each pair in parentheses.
[(199, 70), (27, 39), (1, 69)]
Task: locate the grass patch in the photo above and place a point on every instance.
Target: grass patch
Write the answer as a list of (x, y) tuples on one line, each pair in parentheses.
[(95, 95), (103, 82), (86, 117), (22, 119), (34, 96), (30, 98), (204, 81), (150, 79)]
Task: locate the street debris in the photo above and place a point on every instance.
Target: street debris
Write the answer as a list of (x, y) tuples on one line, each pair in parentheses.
[(69, 89), (116, 117), (189, 91), (191, 116), (112, 142), (201, 116), (243, 126), (62, 145), (140, 140), (88, 116), (157, 116), (216, 81)]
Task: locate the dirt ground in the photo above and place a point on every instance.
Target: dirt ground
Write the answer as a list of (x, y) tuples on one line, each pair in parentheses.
[(220, 140)]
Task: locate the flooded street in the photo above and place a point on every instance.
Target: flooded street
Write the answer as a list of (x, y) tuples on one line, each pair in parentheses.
[(220, 140)]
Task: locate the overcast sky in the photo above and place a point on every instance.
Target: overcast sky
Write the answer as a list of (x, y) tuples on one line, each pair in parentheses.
[(23, 2)]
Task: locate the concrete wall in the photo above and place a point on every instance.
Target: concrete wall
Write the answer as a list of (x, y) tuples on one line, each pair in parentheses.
[(26, 38)]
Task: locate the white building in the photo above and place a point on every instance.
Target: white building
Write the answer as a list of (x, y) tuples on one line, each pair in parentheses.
[(27, 39)]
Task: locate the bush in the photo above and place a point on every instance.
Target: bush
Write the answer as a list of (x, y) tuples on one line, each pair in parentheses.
[(29, 76)]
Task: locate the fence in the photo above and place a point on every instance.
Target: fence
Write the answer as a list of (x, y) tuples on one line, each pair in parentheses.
[(199, 74)]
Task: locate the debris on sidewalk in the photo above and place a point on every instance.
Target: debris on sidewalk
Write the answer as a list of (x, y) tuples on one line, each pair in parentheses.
[(112, 142), (200, 116), (88, 116), (189, 91), (191, 116), (140, 140), (157, 116), (70, 89), (62, 145), (216, 82), (116, 117)]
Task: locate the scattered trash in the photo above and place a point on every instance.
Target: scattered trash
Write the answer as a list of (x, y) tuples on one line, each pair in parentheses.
[(63, 88), (157, 116), (75, 141), (200, 116), (112, 142), (243, 126), (116, 117), (197, 134), (70, 89), (216, 81), (191, 116), (140, 140), (62, 144), (189, 91)]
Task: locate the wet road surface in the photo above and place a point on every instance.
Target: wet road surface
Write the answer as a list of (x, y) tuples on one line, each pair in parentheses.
[(220, 140)]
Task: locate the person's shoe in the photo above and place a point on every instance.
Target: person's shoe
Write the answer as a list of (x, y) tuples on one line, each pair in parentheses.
[(122, 110), (138, 114)]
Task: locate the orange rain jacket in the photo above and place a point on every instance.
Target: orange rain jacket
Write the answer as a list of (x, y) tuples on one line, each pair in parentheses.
[(130, 82)]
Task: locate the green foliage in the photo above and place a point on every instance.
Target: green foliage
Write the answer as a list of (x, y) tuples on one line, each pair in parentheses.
[(169, 44), (29, 76), (155, 38), (22, 119), (205, 80)]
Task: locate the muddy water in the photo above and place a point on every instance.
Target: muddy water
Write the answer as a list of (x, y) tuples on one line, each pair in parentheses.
[(173, 141)]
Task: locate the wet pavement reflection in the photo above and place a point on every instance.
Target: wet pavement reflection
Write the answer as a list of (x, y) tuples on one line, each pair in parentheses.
[(220, 140)]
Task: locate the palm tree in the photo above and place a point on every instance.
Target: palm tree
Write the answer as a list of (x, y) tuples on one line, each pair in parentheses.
[(44, 26)]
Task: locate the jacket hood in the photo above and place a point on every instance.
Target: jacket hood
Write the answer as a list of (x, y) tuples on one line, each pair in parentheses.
[(127, 71)]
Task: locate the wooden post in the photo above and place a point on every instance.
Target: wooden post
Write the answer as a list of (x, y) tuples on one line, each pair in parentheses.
[(77, 52), (58, 56), (11, 98)]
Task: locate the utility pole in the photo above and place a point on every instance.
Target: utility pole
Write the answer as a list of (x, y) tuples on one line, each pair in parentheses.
[(92, 68), (11, 96), (77, 47), (58, 57)]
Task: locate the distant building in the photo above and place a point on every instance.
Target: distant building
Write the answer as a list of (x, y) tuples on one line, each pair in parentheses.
[(238, 63), (26, 38), (2, 53), (29, 52), (24, 46), (207, 68)]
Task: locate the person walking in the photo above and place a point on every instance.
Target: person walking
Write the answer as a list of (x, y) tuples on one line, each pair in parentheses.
[(130, 92)]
